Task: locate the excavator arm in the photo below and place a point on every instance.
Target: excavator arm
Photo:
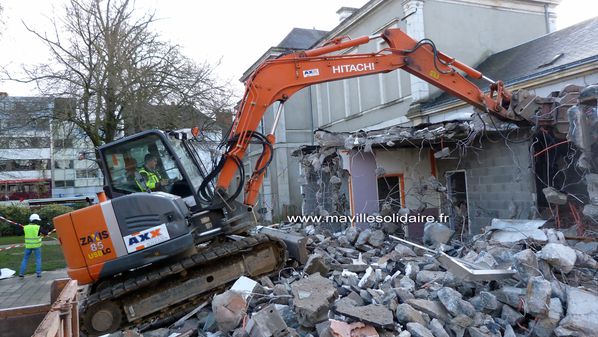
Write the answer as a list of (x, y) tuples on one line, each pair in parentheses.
[(278, 79)]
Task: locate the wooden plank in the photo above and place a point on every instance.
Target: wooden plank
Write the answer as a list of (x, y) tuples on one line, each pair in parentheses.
[(26, 310), (50, 326), (53, 325), (75, 316), (68, 293), (57, 287)]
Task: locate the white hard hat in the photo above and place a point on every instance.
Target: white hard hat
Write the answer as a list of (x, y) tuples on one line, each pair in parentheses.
[(34, 217)]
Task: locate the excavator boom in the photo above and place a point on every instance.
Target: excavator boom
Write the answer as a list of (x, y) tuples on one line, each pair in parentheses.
[(278, 79)]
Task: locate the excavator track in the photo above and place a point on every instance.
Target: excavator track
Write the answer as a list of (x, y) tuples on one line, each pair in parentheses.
[(164, 292)]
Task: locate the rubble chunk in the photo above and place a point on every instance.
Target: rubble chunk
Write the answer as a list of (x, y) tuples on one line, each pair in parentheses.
[(374, 314), (229, 308), (131, 333), (376, 239), (349, 278), (351, 234), (510, 315), (452, 301), (485, 260), (463, 321), (411, 269), (554, 197), (545, 326), (591, 211), (526, 264), (323, 329), (404, 251), (162, 332), (418, 330), (405, 314), (342, 329), (484, 301), (281, 291), (559, 256), (404, 294), (368, 280), (582, 312), (433, 309), (316, 264), (437, 329), (406, 283), (509, 332), (585, 261), (312, 297), (538, 295), (363, 237), (480, 332), (512, 230), (427, 276), (510, 295), (267, 323), (244, 286), (436, 234), (287, 314), (421, 293)]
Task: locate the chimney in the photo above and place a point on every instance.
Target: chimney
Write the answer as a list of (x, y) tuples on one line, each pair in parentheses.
[(345, 12)]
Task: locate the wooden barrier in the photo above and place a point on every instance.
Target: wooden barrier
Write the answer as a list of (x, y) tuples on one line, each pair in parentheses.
[(62, 320)]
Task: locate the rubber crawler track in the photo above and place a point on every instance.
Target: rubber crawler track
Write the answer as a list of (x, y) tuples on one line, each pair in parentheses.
[(118, 291)]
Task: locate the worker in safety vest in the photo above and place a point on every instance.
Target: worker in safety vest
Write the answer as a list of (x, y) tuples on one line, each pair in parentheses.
[(33, 244), (150, 177)]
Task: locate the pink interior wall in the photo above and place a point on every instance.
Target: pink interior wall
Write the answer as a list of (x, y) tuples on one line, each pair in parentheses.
[(364, 189)]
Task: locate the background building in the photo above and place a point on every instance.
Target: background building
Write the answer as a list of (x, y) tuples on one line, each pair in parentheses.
[(39, 156)]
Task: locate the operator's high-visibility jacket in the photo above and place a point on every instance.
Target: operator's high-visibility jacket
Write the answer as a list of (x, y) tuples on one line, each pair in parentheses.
[(151, 179), (32, 237)]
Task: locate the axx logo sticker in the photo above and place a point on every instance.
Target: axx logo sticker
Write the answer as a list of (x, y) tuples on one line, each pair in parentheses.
[(146, 238), (311, 72)]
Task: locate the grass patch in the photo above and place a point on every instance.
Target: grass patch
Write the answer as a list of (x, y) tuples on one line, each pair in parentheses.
[(52, 259), (9, 240)]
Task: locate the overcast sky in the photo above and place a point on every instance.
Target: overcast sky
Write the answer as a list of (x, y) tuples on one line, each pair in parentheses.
[(235, 33)]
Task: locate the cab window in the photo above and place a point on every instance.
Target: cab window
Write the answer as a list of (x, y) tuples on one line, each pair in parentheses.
[(126, 161)]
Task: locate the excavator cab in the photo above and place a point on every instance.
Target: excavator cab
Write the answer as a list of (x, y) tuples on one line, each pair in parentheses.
[(178, 166)]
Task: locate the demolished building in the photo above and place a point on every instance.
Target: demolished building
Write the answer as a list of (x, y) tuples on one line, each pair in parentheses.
[(384, 100), (469, 165)]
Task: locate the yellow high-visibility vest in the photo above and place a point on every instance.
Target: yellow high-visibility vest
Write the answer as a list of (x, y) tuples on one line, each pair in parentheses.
[(151, 179), (32, 238)]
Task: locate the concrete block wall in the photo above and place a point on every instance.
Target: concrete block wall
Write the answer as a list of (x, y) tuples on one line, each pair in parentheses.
[(500, 182)]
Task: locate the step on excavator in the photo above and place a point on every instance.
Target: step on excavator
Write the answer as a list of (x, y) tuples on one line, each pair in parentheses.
[(148, 254)]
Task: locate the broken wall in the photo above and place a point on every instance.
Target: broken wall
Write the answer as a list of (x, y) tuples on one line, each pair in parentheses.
[(415, 165), (499, 180), (324, 183)]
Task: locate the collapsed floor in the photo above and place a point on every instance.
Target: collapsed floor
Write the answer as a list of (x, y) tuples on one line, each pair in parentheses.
[(367, 283)]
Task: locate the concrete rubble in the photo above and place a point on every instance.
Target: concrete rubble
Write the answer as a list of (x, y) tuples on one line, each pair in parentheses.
[(362, 283)]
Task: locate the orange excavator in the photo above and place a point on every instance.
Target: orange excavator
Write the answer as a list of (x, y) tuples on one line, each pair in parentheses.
[(149, 255)]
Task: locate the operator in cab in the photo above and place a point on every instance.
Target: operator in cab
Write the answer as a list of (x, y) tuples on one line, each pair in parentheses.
[(150, 179)]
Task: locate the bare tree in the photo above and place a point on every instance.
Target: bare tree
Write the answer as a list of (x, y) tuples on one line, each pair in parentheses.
[(106, 58), (1, 22)]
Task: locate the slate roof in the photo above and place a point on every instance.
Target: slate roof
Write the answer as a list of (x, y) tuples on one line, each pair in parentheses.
[(550, 53), (296, 39), (301, 38)]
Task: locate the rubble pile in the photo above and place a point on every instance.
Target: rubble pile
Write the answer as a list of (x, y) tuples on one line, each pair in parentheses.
[(366, 283)]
